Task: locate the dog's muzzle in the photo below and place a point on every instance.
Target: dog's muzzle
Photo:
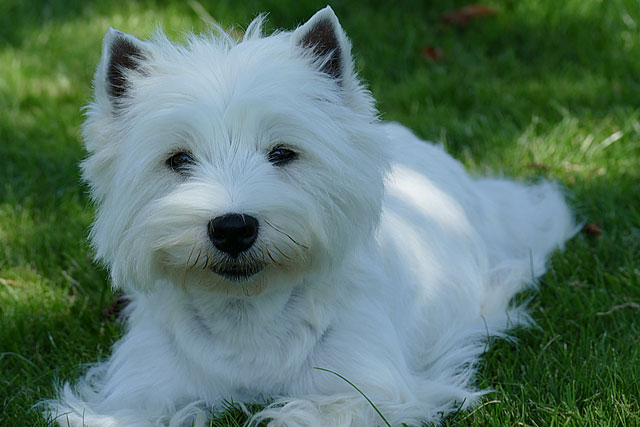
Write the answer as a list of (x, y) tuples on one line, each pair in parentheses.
[(237, 272), (233, 233)]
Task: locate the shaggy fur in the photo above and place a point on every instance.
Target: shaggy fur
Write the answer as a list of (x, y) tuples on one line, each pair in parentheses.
[(379, 257)]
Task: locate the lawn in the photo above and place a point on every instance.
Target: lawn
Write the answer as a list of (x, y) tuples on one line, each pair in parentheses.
[(542, 89)]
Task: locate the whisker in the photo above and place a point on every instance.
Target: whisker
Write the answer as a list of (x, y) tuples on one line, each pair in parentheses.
[(272, 259), (186, 266), (281, 253), (289, 237), (197, 259), (190, 255), (214, 263), (261, 286)]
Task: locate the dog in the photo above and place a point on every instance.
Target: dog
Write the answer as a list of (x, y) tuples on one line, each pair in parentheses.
[(280, 244)]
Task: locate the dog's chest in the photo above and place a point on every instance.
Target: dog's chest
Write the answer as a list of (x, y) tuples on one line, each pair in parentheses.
[(249, 344)]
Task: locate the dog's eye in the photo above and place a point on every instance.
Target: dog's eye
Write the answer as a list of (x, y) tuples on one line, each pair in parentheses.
[(280, 156), (180, 162)]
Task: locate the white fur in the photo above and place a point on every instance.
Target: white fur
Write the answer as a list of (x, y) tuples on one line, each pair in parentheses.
[(385, 262)]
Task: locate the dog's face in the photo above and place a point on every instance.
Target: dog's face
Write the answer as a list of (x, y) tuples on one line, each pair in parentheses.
[(232, 166)]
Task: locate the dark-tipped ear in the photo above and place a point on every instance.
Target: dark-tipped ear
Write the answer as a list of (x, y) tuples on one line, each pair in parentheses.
[(121, 53), (325, 36)]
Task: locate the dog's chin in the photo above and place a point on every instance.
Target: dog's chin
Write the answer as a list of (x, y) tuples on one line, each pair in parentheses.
[(237, 272)]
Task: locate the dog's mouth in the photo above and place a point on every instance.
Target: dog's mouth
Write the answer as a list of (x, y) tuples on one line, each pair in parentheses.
[(237, 272)]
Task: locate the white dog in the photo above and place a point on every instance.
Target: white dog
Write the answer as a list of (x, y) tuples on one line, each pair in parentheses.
[(277, 240)]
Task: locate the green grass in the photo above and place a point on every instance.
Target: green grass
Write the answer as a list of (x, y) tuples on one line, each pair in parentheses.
[(543, 89)]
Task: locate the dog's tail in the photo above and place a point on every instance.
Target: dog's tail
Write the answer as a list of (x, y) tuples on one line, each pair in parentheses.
[(522, 226)]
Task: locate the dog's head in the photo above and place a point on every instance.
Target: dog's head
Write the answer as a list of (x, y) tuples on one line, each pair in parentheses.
[(231, 165)]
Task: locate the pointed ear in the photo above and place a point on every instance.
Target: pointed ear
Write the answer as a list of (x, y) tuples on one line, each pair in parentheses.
[(121, 53), (324, 35)]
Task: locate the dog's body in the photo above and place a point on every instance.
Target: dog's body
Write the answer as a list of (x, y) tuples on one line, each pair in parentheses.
[(364, 251)]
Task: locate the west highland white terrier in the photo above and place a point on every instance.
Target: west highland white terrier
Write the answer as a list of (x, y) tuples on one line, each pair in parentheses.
[(277, 241)]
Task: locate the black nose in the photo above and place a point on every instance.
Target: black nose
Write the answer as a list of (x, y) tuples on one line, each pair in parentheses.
[(233, 233)]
